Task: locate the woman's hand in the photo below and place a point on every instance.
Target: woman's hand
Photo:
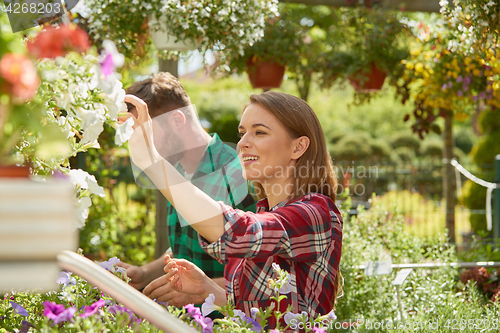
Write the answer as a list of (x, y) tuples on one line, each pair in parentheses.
[(141, 145), (186, 277)]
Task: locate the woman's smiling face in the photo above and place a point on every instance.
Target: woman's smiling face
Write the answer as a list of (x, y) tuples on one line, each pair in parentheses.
[(265, 147)]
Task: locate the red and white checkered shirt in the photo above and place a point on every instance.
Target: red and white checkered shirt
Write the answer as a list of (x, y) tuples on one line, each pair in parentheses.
[(303, 236)]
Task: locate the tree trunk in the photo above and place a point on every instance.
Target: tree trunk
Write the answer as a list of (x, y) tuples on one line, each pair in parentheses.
[(449, 175), (162, 243), (303, 81)]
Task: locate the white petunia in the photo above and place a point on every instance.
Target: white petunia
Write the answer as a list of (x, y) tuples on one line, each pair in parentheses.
[(82, 211), (124, 131), (92, 132)]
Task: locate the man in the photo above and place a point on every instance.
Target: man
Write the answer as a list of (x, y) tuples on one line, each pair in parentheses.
[(206, 161)]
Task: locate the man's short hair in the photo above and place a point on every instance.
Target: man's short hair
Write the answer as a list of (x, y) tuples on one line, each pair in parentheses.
[(162, 93)]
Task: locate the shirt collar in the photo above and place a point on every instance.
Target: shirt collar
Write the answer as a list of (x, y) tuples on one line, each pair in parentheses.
[(264, 204), (210, 157)]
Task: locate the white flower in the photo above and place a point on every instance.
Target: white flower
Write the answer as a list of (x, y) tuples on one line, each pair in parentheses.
[(295, 316), (82, 179), (124, 131), (208, 307), (92, 132), (82, 211)]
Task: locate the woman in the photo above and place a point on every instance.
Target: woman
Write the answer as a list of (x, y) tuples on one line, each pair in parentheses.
[(297, 225)]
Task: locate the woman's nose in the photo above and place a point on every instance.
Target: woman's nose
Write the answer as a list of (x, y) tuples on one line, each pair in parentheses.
[(243, 143)]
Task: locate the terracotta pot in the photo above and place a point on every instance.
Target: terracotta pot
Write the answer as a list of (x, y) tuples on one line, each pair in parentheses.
[(264, 74), (14, 171), (372, 81)]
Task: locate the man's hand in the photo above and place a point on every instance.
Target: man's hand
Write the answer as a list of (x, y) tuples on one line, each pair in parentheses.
[(137, 275)]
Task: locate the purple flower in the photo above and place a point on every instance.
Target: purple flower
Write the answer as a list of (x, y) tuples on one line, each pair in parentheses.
[(92, 309), (66, 279), (192, 310), (110, 58), (467, 80), (444, 87), (460, 78), (119, 310), (295, 316), (57, 313), (254, 312), (465, 87), (460, 93), (206, 324), (318, 330), (26, 326), (19, 309), (110, 264), (489, 97), (209, 325), (256, 327), (107, 65), (450, 84), (474, 98), (287, 287), (482, 95)]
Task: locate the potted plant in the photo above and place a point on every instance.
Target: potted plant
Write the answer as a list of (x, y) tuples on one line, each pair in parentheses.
[(213, 23), (265, 61), (369, 44)]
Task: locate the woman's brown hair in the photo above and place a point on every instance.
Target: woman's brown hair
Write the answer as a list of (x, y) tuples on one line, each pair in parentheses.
[(314, 169)]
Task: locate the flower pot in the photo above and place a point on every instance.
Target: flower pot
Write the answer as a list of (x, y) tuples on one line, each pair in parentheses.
[(371, 81), (163, 40), (264, 74), (37, 222), (14, 171)]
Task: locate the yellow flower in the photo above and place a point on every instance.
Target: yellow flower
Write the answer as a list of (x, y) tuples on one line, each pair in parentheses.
[(409, 66), (467, 60), (419, 67), (476, 72)]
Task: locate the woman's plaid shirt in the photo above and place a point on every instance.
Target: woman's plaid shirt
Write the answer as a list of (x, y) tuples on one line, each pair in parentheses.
[(304, 237)]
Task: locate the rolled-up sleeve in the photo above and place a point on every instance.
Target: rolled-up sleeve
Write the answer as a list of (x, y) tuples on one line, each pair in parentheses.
[(299, 231)]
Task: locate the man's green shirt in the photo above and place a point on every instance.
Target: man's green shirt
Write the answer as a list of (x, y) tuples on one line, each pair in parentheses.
[(219, 175)]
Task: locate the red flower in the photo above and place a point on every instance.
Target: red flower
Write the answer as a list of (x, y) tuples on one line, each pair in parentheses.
[(55, 42), (18, 70)]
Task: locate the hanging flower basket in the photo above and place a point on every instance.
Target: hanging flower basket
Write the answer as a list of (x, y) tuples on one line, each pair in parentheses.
[(164, 40), (265, 74), (366, 82)]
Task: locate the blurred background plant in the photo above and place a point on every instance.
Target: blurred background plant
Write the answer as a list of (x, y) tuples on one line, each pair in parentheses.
[(221, 25), (22, 111)]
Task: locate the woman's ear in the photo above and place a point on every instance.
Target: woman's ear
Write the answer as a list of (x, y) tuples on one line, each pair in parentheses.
[(301, 145)]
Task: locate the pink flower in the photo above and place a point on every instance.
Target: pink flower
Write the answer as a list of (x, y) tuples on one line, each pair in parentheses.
[(57, 313), (18, 70), (92, 309)]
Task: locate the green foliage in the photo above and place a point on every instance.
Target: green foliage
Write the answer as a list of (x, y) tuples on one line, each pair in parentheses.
[(375, 232), (405, 139), (422, 217), (121, 224), (474, 197), (483, 154)]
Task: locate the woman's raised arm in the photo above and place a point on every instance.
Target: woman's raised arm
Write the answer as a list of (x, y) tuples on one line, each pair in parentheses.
[(202, 212)]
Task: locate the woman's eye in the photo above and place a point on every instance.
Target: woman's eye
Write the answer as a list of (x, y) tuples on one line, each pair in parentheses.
[(240, 134), (260, 132)]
